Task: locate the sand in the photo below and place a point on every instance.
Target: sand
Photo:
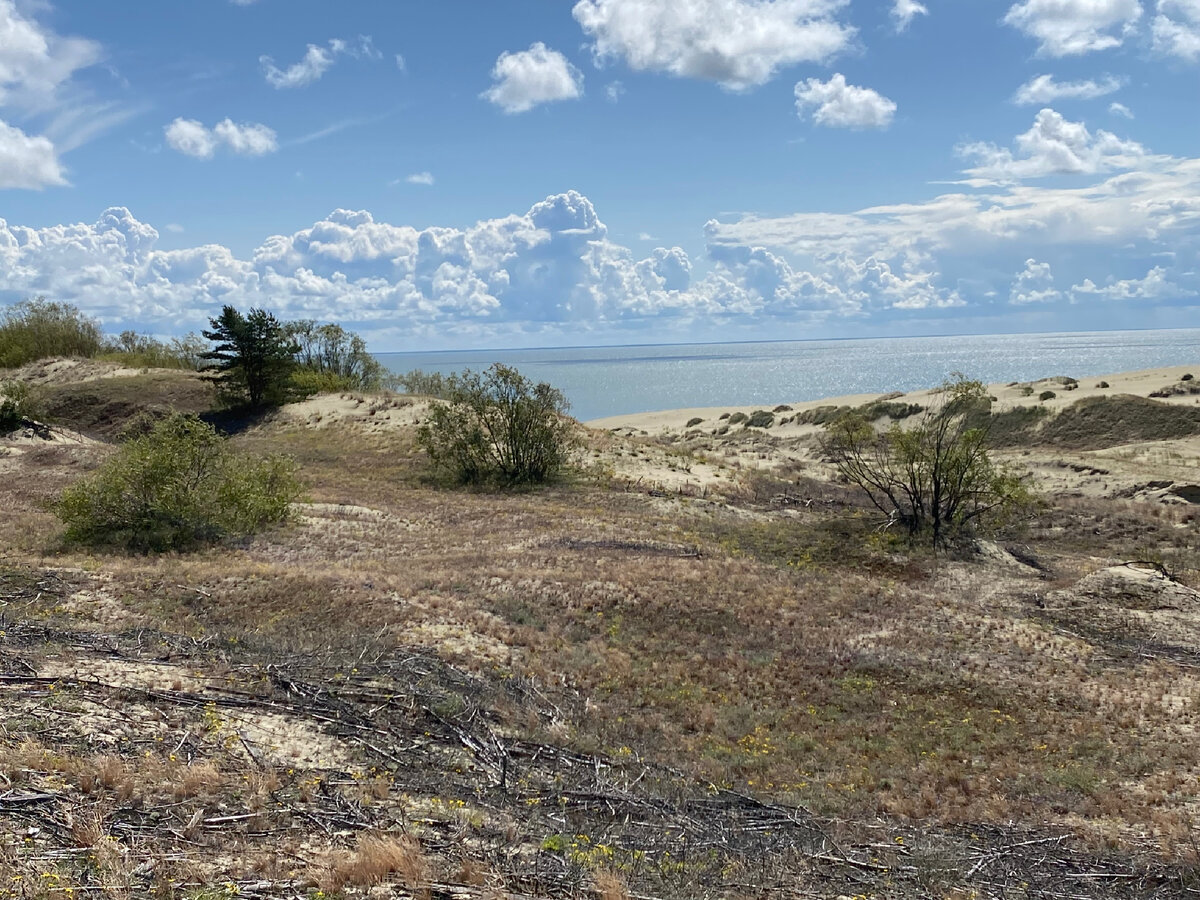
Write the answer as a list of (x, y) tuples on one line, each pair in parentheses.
[(1140, 383)]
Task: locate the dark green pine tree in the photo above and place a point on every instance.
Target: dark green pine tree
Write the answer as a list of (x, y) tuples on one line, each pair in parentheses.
[(254, 355)]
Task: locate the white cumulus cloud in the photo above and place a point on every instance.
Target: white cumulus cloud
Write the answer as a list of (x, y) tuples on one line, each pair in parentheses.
[(531, 77), (423, 178), (836, 104), (1176, 29), (1073, 27), (1154, 286), (36, 64), (1034, 285), (1052, 146), (737, 43), (27, 162), (904, 11), (193, 138), (1043, 89)]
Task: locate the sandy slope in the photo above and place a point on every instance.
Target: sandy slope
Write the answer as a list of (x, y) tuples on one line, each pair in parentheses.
[(1140, 383)]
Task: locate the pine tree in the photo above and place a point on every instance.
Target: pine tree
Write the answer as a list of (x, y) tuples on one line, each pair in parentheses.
[(254, 356)]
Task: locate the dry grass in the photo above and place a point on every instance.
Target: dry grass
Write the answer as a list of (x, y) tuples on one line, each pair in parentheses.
[(785, 650), (379, 857)]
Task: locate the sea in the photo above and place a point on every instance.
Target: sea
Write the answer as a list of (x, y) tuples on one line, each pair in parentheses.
[(611, 381)]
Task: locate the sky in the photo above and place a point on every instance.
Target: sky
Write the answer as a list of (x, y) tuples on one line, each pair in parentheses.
[(523, 173)]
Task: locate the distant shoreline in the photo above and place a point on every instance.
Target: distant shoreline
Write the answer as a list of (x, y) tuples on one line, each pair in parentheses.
[(1139, 382)]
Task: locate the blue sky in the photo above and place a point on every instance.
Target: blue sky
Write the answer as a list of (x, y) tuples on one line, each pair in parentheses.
[(469, 174)]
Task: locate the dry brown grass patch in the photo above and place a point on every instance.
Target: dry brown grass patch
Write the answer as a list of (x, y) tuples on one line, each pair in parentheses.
[(380, 856)]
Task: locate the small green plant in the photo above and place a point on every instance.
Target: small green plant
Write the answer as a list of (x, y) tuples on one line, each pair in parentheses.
[(16, 405), (1047, 395), (177, 486), (498, 427)]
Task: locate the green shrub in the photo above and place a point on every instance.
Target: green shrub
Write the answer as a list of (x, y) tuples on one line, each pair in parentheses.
[(178, 486), (1102, 385), (760, 418), (935, 476), (1047, 395), (425, 384), (694, 421), (35, 329), (738, 418), (142, 351), (498, 427), (783, 407), (340, 357), (1187, 377), (16, 405)]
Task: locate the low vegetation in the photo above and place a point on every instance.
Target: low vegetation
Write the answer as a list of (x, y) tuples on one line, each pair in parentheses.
[(176, 487), (630, 684), (39, 328), (498, 427), (935, 476)]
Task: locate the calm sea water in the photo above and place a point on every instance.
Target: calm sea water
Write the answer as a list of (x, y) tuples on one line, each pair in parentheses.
[(608, 381)]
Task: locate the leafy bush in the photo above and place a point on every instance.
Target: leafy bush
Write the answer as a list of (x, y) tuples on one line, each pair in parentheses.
[(177, 486), (760, 418), (694, 421), (330, 355), (1102, 384), (16, 405), (738, 418), (1188, 376), (936, 476), (141, 351), (1047, 395), (425, 384), (35, 329), (498, 427)]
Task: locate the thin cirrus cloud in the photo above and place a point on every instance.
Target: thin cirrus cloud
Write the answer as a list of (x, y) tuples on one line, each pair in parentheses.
[(529, 78), (836, 104), (421, 178), (739, 44), (904, 11), (193, 138), (1043, 89), (36, 69), (317, 60)]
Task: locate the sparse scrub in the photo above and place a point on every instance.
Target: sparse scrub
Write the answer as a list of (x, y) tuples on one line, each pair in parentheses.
[(738, 418), (694, 421), (936, 476), (497, 427), (141, 351), (176, 487), (1046, 395), (760, 418), (35, 329), (329, 359), (425, 384), (17, 405)]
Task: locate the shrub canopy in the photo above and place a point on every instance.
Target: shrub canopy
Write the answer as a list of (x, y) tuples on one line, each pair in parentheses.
[(498, 427), (177, 486), (35, 329), (936, 475)]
